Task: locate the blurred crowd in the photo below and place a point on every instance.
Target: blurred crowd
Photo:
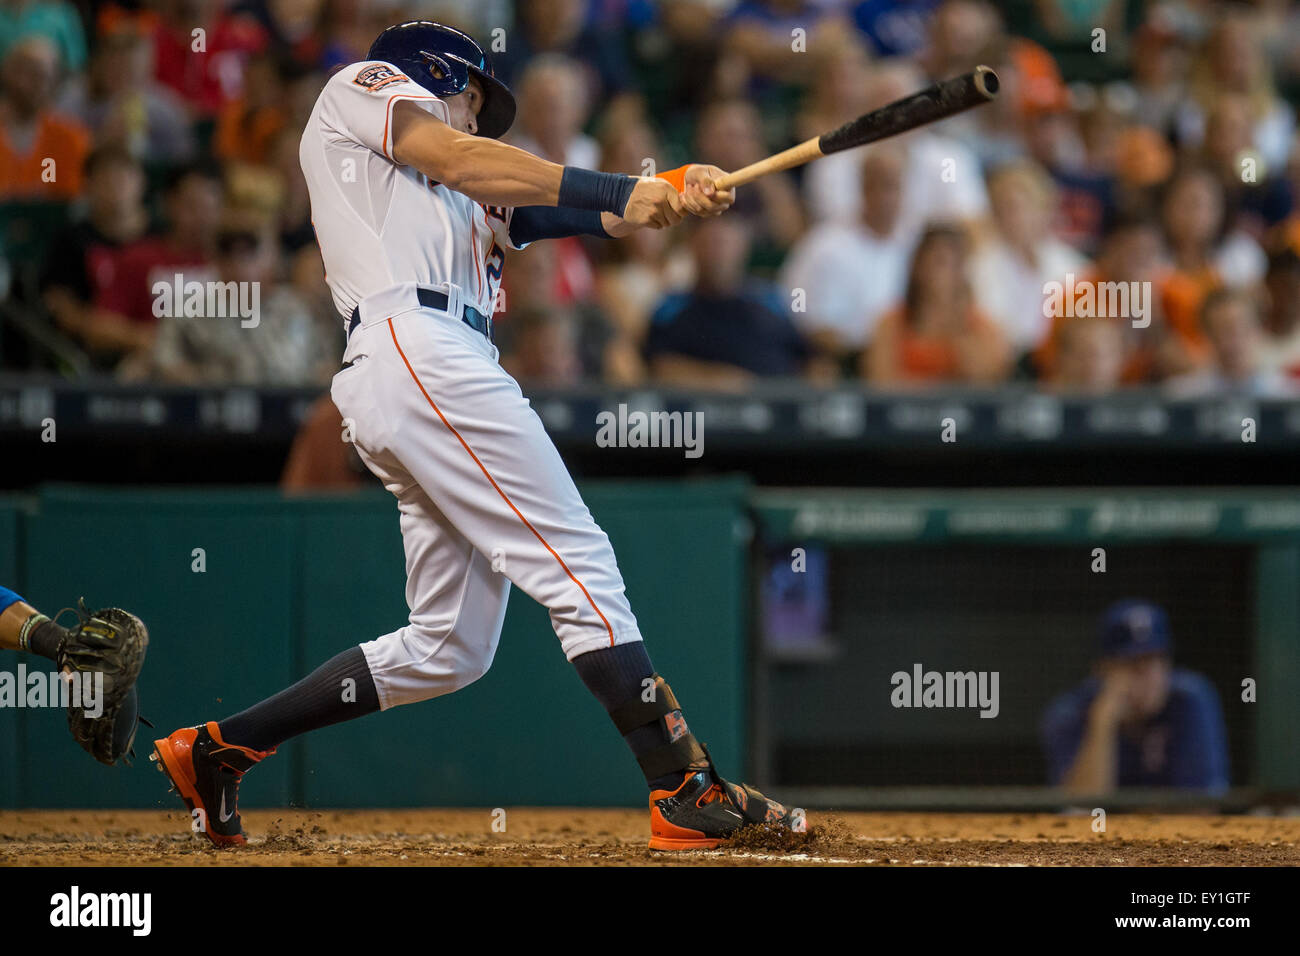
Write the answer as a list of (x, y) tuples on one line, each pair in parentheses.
[(1145, 146)]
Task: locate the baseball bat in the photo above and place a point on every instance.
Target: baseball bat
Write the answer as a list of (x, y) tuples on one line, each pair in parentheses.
[(943, 99)]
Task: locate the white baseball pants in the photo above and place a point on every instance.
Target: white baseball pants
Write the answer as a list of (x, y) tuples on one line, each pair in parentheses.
[(484, 499)]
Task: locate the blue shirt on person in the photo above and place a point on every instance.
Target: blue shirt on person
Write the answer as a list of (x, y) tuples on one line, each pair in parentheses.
[(1184, 745), (749, 328)]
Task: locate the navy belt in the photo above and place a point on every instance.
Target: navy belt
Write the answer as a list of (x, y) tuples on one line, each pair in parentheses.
[(433, 299)]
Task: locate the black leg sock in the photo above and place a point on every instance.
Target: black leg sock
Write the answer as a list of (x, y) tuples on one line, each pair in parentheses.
[(614, 675), (318, 700)]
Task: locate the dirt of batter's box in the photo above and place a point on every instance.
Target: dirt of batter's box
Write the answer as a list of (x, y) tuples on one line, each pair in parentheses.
[(557, 836), (297, 840), (831, 837)]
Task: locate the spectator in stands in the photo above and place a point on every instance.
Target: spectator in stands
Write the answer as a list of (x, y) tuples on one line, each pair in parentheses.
[(729, 135), (1016, 261), (542, 348), (1160, 63), (937, 335), (1090, 192), (628, 140), (1232, 60), (725, 332), (55, 20), (322, 457), (537, 285), (1206, 253), (635, 275), (1076, 148), (41, 152), (281, 343), (84, 286), (894, 27), (636, 272), (292, 27), (1138, 721), (248, 124), (1256, 194), (203, 78), (758, 40), (678, 60), (847, 276), (1132, 255), (561, 27), (124, 106), (840, 87), (960, 34), (1234, 328), (193, 202), (1143, 161), (1090, 356), (553, 108), (348, 27), (995, 133)]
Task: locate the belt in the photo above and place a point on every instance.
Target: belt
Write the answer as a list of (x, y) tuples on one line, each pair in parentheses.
[(433, 299)]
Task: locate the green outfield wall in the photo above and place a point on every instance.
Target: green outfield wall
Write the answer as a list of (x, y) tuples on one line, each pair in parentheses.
[(287, 583)]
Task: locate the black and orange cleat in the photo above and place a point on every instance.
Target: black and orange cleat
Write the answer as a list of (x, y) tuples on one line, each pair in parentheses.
[(705, 810), (205, 771)]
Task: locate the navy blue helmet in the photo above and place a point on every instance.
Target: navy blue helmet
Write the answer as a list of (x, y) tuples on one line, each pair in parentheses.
[(442, 60)]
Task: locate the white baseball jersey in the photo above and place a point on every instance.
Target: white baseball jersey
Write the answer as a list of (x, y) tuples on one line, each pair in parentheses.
[(484, 497), (380, 223)]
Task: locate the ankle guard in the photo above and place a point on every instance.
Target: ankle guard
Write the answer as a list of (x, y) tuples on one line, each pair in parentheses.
[(681, 750)]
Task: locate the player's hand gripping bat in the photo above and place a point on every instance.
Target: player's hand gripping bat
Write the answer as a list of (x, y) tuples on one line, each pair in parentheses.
[(934, 103)]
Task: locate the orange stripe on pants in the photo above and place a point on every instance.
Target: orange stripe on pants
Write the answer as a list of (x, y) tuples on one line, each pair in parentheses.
[(492, 481)]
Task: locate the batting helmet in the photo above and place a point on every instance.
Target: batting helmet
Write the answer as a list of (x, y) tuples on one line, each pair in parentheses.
[(442, 60)]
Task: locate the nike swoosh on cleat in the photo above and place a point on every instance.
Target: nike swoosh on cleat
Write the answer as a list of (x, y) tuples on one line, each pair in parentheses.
[(222, 815)]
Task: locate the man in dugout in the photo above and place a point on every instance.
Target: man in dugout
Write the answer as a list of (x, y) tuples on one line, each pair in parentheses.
[(1138, 721)]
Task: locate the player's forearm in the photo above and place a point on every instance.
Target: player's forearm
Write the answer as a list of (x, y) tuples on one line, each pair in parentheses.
[(11, 624), (1095, 766), (485, 170)]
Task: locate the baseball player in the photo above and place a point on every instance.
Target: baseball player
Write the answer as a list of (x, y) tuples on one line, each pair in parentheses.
[(104, 651), (414, 203), (1138, 721)]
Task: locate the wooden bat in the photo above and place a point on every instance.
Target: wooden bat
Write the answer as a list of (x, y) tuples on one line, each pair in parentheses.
[(937, 102)]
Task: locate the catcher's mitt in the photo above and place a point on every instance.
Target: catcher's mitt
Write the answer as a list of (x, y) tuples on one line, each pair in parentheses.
[(111, 642)]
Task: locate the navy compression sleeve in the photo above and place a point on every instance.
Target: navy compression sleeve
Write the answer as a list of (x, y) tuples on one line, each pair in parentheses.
[(530, 223)]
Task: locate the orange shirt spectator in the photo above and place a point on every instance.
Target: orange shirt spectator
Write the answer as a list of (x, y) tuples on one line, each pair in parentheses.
[(1133, 253), (247, 126), (904, 354), (1182, 294), (60, 141), (41, 153), (247, 134), (937, 334), (1141, 346)]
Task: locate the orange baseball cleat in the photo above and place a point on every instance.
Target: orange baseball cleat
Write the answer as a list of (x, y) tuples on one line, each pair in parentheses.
[(205, 771), (705, 810)]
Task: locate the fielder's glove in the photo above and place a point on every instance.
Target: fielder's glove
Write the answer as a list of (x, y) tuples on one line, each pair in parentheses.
[(111, 642)]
